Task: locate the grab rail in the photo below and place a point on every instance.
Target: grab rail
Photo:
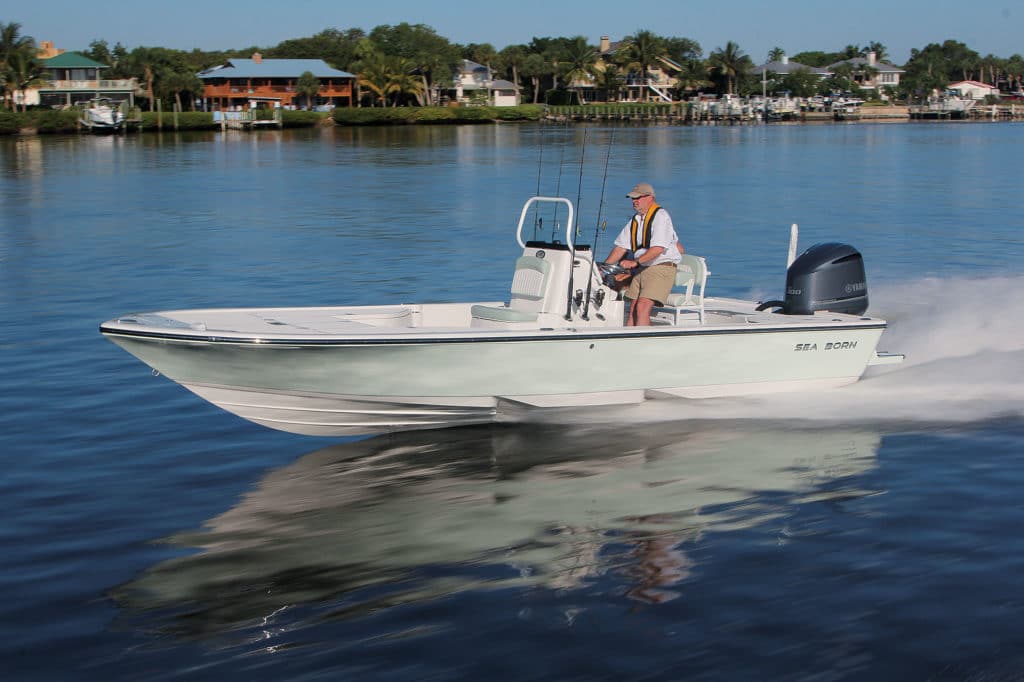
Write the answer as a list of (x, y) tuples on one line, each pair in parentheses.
[(568, 223)]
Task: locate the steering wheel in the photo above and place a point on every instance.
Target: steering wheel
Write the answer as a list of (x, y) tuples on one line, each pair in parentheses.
[(614, 276), (612, 269)]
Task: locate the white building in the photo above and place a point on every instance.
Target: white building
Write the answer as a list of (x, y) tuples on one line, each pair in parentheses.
[(973, 89), (475, 79), (871, 74)]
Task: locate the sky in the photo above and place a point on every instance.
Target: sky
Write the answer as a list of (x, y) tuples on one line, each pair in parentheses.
[(986, 26)]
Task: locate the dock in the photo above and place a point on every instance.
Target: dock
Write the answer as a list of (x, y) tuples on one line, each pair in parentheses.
[(942, 111), (247, 120), (741, 111)]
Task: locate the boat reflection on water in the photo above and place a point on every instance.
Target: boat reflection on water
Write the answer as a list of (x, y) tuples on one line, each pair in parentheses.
[(424, 514)]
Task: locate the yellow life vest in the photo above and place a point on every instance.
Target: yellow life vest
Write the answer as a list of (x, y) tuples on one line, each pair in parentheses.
[(640, 235)]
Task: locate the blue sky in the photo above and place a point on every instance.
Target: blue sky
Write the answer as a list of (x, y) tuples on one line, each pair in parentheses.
[(986, 26)]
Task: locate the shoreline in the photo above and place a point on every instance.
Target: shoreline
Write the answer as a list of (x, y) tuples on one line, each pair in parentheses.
[(47, 123)]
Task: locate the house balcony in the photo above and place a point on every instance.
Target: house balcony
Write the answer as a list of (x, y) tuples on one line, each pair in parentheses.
[(285, 92), (86, 86)]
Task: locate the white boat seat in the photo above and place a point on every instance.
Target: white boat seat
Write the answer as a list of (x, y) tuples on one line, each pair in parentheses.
[(691, 276), (530, 282), (501, 314), (529, 287)]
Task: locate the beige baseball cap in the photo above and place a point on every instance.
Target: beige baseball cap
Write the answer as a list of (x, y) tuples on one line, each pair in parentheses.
[(642, 189)]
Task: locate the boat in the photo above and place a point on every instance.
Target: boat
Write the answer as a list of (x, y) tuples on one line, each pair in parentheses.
[(559, 341), (101, 116), (847, 108), (945, 106)]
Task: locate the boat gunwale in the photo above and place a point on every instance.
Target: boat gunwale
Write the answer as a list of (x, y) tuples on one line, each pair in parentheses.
[(390, 337)]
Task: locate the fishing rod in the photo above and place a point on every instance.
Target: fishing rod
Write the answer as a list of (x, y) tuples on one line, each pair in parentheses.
[(538, 222), (598, 228), (558, 191), (575, 230)]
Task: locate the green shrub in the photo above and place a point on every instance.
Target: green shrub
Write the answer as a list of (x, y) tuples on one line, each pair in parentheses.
[(397, 115), (475, 114), (301, 119), (523, 112), (53, 121), (187, 120), (435, 114), (10, 122), (363, 116)]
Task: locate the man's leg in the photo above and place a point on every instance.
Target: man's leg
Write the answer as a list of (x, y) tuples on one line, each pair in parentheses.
[(640, 315)]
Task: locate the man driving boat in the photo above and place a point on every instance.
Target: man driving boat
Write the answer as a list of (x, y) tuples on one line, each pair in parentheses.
[(647, 244)]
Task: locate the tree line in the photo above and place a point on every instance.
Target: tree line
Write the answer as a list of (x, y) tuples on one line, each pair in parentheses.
[(412, 64)]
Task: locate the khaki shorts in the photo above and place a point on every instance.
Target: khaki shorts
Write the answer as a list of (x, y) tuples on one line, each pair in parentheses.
[(654, 283)]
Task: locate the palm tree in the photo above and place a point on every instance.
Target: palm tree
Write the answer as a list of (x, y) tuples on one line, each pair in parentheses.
[(23, 71), (401, 79), (990, 68), (175, 82), (374, 72), (513, 56), (730, 63), (481, 53), (776, 54), (430, 64), (13, 45), (1015, 70), (693, 75), (152, 65), (852, 51), (580, 64), (611, 81), (363, 51), (641, 51), (881, 53), (308, 85), (534, 67)]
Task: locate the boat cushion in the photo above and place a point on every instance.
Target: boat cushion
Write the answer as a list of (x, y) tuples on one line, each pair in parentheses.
[(502, 314), (530, 278)]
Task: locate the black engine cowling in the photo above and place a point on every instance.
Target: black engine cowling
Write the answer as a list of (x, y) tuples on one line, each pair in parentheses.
[(828, 276)]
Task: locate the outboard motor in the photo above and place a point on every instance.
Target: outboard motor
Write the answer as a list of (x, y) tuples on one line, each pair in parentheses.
[(827, 276)]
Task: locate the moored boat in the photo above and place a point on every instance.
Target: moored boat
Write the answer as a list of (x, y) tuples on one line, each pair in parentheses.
[(101, 116), (559, 341)]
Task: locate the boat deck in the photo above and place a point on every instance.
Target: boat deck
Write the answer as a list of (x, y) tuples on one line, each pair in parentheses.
[(442, 319)]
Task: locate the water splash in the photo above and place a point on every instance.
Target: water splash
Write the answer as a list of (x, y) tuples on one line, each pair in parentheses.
[(964, 343)]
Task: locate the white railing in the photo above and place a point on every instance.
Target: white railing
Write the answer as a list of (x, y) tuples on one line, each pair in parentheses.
[(119, 84), (658, 91)]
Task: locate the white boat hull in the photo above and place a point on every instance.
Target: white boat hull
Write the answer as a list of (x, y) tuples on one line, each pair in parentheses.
[(387, 382), (102, 118)]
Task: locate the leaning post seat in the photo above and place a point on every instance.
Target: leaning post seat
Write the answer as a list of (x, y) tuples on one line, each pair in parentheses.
[(539, 285), (529, 284), (691, 277)]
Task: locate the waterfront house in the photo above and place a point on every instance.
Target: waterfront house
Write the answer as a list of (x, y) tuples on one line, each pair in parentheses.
[(473, 83), (660, 75), (72, 78), (973, 89), (871, 74), (783, 67), (258, 82)]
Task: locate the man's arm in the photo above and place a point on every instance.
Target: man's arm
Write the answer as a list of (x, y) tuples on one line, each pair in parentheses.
[(616, 255), (651, 253)]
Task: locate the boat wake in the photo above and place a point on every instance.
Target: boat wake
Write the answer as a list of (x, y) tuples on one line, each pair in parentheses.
[(964, 351)]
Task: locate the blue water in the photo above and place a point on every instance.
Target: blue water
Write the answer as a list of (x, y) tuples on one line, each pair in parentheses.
[(868, 533)]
